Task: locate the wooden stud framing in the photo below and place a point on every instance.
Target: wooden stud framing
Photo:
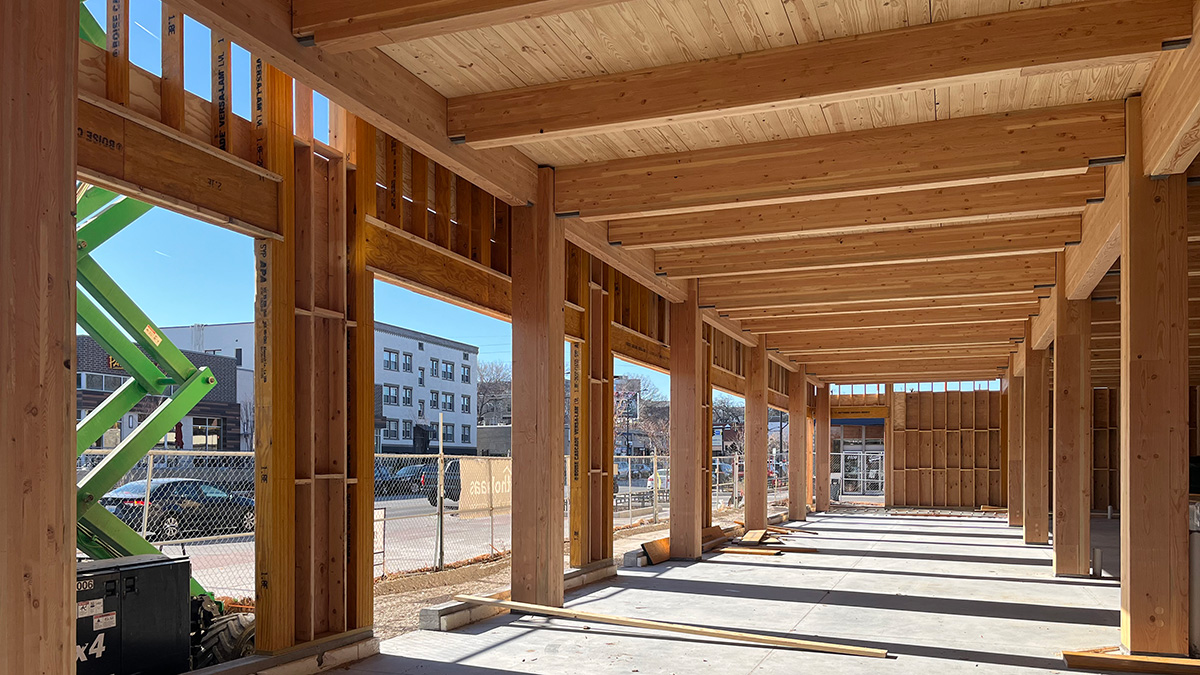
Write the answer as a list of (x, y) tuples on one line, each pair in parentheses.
[(538, 295), (222, 93), (756, 437), (1072, 432), (687, 426), (821, 462), (1154, 398), (38, 43), (116, 37), (1036, 420), (172, 113)]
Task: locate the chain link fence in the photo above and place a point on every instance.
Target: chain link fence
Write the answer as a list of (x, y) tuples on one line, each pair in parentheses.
[(200, 504)]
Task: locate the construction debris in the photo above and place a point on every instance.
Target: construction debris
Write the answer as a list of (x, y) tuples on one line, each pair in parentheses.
[(658, 550), (749, 551), (755, 638)]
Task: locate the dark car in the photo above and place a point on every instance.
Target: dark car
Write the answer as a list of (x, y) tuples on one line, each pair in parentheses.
[(427, 483), (407, 479), (180, 507)]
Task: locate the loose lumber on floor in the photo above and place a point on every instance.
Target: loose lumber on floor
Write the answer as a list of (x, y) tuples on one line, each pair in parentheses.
[(755, 638), (1110, 659), (658, 550), (783, 529), (748, 551), (789, 549)]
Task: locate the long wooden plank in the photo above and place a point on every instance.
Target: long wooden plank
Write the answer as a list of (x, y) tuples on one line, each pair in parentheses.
[(954, 152), (886, 369), (925, 245), (362, 24), (687, 424), (1154, 403), (904, 60), (997, 332), (737, 636), (1171, 108), (537, 491), (38, 43), (904, 281), (371, 86), (123, 151), (1012, 200)]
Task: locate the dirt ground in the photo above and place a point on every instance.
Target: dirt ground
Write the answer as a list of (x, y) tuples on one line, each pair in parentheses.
[(398, 602)]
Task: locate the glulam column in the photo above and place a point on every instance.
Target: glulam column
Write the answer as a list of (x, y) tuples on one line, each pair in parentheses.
[(798, 445), (687, 424), (821, 460), (538, 268), (1072, 431), (1036, 428), (756, 437), (1016, 445)]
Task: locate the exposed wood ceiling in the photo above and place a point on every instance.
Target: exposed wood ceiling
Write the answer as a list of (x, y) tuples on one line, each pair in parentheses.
[(878, 189)]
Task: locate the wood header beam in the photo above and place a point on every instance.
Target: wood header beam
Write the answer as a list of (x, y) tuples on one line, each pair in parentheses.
[(961, 151), (845, 309), (1012, 200), (999, 333), (361, 24), (1042, 325), (371, 86), (904, 60), (898, 318), (638, 265), (925, 245)]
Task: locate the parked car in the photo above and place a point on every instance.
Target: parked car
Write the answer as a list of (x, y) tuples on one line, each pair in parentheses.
[(429, 480), (664, 480), (407, 479), (180, 507)]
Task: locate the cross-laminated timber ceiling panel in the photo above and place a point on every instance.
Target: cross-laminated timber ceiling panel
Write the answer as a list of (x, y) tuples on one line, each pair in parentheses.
[(905, 60)]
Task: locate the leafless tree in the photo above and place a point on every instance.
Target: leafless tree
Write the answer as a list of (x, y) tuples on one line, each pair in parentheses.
[(493, 391)]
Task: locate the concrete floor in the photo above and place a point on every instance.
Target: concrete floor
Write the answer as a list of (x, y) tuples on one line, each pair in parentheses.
[(942, 595)]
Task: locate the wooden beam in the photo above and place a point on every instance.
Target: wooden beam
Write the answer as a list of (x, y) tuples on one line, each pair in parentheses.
[(145, 159), (799, 442), (904, 60), (905, 281), (362, 24), (538, 294), (1011, 200), (1171, 108), (898, 318), (1072, 433), (1036, 418), (887, 369), (962, 151), (686, 420), (998, 333), (373, 87), (1154, 402), (731, 327), (821, 459), (925, 245), (637, 265), (892, 354), (172, 91), (1016, 438), (1042, 325), (1100, 241), (38, 43), (846, 310), (756, 437)]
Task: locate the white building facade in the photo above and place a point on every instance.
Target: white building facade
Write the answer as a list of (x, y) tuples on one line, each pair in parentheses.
[(419, 376)]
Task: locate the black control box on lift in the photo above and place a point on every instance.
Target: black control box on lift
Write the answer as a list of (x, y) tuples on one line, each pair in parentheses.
[(133, 616)]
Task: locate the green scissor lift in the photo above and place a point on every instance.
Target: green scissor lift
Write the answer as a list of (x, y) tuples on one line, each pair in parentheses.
[(155, 365)]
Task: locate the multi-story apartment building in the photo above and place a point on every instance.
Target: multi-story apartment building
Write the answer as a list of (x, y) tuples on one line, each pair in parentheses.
[(418, 376)]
